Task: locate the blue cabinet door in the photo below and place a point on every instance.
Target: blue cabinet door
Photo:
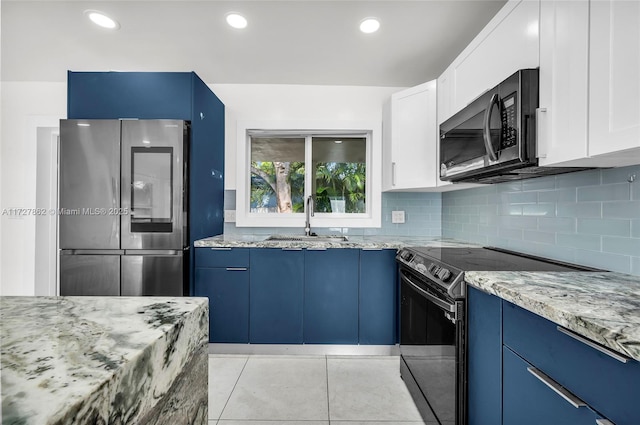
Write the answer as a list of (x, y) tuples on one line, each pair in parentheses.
[(276, 300), (228, 293), (528, 401), (484, 357), (331, 296), (608, 385), (143, 95), (206, 204), (378, 289)]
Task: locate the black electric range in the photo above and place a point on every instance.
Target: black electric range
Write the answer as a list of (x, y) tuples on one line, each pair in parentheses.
[(433, 321)]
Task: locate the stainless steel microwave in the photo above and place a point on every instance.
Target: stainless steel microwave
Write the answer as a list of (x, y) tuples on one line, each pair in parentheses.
[(493, 139)]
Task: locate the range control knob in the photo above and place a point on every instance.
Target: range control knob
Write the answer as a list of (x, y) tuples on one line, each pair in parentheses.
[(421, 268), (444, 275), (432, 268)]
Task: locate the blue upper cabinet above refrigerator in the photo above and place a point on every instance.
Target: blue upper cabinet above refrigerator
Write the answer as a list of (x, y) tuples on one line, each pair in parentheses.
[(165, 95)]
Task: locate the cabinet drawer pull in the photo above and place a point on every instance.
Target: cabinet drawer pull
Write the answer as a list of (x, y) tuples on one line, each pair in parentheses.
[(604, 422), (220, 249), (237, 269), (557, 388), (542, 133), (393, 174), (292, 249), (607, 351)]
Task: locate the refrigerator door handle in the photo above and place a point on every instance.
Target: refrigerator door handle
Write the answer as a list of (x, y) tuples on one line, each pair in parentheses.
[(156, 252), (92, 252)]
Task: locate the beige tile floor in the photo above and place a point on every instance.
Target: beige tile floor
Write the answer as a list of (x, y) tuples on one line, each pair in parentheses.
[(308, 390)]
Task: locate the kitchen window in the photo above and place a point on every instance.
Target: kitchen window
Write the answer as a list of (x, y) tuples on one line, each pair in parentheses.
[(279, 168)]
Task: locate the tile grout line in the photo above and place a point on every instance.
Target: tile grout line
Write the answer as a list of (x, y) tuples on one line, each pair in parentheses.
[(326, 365), (232, 390)]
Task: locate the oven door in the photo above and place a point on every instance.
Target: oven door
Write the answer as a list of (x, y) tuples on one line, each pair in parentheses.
[(431, 346)]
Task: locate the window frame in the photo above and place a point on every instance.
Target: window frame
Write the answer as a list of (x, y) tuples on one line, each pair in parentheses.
[(372, 131)]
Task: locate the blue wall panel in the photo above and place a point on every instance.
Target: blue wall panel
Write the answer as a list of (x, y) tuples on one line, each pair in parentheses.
[(143, 95)]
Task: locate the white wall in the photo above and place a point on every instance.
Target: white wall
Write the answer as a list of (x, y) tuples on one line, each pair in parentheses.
[(24, 108), (260, 102), (29, 105)]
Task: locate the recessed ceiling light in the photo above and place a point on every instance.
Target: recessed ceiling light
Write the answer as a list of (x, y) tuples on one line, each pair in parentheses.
[(369, 25), (236, 20), (100, 19)]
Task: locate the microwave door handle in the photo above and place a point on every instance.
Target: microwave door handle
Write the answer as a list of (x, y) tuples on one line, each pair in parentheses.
[(488, 145)]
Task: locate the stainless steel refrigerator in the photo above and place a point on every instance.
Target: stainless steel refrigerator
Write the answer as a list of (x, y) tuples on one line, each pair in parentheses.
[(122, 207)]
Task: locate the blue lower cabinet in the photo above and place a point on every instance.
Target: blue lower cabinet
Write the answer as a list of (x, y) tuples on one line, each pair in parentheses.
[(484, 363), (377, 293), (527, 400), (331, 296), (228, 293), (276, 296), (608, 385)]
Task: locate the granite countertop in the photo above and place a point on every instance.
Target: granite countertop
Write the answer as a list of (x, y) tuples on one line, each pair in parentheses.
[(363, 242), (602, 306), (67, 360)]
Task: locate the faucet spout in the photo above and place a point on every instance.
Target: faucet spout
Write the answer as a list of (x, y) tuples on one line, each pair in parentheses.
[(308, 214)]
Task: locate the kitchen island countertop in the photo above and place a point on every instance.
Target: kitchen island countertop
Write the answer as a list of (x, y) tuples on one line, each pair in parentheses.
[(68, 360), (602, 306)]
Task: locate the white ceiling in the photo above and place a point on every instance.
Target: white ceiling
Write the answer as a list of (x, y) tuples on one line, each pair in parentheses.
[(286, 42)]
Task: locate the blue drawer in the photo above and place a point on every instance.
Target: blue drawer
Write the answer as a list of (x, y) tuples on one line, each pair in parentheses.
[(222, 257), (529, 401), (606, 384)]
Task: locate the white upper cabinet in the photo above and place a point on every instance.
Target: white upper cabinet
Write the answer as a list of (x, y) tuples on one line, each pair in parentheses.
[(614, 87), (410, 140), (508, 43), (564, 55), (589, 83)]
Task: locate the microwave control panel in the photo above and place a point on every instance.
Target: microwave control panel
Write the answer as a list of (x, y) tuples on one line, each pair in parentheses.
[(509, 121)]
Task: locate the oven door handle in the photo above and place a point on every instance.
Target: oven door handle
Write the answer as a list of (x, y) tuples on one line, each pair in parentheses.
[(451, 308)]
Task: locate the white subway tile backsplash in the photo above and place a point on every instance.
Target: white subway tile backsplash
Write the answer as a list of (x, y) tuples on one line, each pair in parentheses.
[(629, 246), (578, 241), (608, 192), (635, 265), (539, 210), (635, 228), (558, 195), (620, 175), (522, 197), (590, 217), (582, 178), (588, 210), (622, 209), (603, 260), (538, 184), (507, 233), (539, 237), (610, 227), (557, 224)]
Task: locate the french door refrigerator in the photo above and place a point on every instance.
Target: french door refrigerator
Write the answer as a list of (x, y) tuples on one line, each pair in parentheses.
[(122, 207)]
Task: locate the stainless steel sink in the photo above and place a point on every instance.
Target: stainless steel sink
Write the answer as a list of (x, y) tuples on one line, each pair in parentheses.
[(304, 238)]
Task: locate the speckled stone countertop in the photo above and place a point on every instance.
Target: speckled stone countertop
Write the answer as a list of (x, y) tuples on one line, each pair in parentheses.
[(68, 360), (363, 242), (602, 306)]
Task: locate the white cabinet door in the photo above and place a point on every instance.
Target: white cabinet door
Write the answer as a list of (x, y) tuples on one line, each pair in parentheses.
[(412, 139), (508, 43), (444, 96), (564, 56), (614, 114)]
